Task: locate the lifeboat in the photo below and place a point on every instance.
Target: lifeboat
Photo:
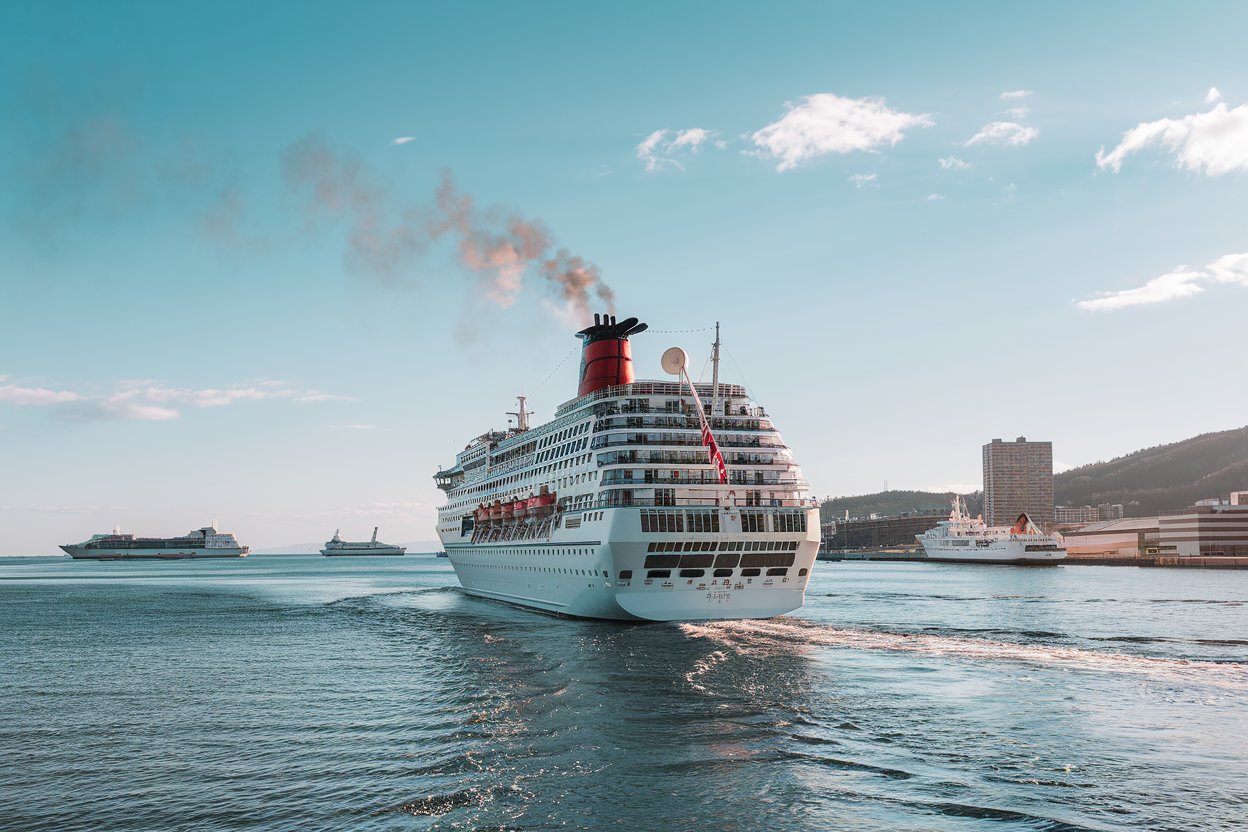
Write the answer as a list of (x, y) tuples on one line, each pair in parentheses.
[(507, 510), (482, 514), (532, 505), (496, 511), (545, 503)]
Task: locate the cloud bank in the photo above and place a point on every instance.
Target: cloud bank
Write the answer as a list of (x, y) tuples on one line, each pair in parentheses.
[(826, 123), (152, 401), (1182, 282), (1212, 143)]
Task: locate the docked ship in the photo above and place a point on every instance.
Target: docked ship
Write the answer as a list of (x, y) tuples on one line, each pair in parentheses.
[(337, 547), (640, 500), (201, 543), (963, 539)]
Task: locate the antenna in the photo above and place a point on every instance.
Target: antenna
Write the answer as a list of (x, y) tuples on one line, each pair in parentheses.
[(715, 372), (522, 415)]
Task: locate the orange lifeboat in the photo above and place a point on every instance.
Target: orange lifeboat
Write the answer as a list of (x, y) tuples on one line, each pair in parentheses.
[(482, 514), (507, 510), (496, 511), (532, 505)]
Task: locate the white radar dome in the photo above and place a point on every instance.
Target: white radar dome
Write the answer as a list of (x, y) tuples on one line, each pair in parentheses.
[(674, 360)]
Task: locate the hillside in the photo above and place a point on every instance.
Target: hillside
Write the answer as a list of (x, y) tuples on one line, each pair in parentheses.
[(1161, 478), (895, 502), (1146, 482)]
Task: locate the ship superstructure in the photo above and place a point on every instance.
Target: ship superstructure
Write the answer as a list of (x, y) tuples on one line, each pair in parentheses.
[(963, 539), (337, 547), (206, 542), (631, 503)]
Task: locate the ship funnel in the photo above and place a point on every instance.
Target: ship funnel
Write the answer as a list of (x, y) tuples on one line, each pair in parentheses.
[(606, 356)]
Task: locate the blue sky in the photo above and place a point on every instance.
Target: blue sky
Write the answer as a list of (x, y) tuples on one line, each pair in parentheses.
[(229, 292)]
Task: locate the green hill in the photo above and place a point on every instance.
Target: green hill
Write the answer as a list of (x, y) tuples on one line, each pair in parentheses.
[(1146, 482), (895, 502), (1162, 478)]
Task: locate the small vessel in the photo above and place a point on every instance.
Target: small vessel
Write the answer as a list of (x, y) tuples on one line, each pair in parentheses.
[(963, 539), (337, 547), (201, 543), (623, 506)]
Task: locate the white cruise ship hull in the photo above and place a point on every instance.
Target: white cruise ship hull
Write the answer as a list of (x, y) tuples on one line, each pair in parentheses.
[(999, 552), (83, 553), (380, 551), (598, 570)]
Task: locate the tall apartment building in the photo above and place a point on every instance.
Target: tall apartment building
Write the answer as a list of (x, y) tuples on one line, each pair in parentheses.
[(1018, 477)]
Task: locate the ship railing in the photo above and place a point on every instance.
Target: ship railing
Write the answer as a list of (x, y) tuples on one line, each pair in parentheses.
[(649, 388), (709, 501)]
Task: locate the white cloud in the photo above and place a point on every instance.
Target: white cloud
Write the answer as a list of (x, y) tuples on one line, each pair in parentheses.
[(404, 139), (1014, 95), (1211, 143), (861, 180), (1018, 112), (1182, 282), (1007, 133), (151, 401), (1213, 95), (827, 123), (934, 197), (953, 163), (34, 396), (660, 148)]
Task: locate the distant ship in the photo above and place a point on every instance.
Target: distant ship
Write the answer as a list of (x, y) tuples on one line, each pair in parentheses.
[(961, 539), (201, 543), (623, 505), (341, 548)]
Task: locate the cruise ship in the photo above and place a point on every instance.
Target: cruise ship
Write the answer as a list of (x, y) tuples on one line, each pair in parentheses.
[(201, 543), (640, 500), (962, 539), (337, 547)]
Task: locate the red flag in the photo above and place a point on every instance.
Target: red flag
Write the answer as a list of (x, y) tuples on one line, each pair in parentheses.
[(708, 439)]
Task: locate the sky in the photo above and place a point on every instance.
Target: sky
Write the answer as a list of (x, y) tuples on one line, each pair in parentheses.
[(274, 264)]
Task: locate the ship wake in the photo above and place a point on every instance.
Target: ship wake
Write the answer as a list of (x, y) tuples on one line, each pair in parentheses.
[(783, 634)]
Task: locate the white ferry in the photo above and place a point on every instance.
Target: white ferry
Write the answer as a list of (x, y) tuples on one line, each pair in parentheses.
[(624, 506), (201, 543), (337, 547), (961, 539)]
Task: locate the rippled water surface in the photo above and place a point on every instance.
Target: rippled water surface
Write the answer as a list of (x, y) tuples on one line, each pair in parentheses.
[(310, 693)]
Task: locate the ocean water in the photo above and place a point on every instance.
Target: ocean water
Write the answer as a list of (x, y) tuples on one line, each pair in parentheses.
[(314, 693)]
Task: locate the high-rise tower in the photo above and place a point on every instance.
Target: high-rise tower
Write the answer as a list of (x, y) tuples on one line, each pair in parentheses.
[(1018, 477)]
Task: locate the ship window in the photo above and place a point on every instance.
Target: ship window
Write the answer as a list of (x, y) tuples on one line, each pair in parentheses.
[(723, 573), (749, 573), (660, 561), (692, 573), (659, 573), (696, 560), (777, 572), (728, 560), (802, 572), (626, 574)]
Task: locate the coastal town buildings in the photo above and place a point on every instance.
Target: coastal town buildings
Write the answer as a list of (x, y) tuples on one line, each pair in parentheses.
[(1077, 515)]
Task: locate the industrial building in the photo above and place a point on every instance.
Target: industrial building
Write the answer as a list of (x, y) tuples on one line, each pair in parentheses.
[(1018, 477), (879, 532), (1216, 528)]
